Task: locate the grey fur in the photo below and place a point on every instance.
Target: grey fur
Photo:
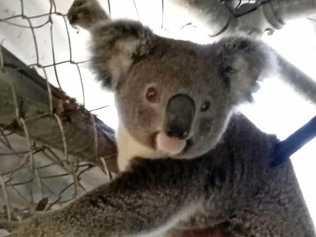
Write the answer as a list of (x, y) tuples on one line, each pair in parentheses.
[(232, 184), (128, 57)]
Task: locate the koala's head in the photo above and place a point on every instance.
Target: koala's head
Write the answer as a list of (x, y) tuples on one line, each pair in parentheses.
[(174, 97)]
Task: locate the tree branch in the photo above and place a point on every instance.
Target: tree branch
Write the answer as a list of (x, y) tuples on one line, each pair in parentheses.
[(28, 103)]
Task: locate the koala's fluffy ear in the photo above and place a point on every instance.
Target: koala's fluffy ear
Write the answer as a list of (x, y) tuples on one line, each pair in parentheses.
[(116, 46), (86, 13), (242, 62)]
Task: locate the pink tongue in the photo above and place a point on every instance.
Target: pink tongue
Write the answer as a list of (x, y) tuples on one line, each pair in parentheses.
[(169, 145)]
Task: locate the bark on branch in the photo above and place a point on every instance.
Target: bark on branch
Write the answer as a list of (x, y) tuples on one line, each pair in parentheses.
[(29, 103)]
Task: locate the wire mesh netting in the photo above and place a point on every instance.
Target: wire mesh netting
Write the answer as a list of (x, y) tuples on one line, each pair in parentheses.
[(52, 146), (52, 149)]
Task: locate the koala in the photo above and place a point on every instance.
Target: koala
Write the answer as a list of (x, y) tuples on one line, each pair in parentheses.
[(231, 188), (186, 162), (174, 98)]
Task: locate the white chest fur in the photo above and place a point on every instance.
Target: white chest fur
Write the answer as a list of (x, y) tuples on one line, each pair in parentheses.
[(129, 148)]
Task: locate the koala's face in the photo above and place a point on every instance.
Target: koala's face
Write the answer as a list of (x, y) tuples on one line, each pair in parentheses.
[(174, 97), (175, 101)]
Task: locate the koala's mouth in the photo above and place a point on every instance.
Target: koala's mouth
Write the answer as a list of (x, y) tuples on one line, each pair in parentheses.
[(188, 145), (170, 145)]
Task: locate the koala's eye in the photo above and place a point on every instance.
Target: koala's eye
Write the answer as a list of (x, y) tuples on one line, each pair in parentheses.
[(205, 106), (152, 95)]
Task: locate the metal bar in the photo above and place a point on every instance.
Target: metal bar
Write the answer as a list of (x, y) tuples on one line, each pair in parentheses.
[(251, 17), (294, 142), (213, 15), (288, 9)]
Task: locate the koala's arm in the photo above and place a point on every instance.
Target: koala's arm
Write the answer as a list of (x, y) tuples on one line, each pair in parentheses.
[(155, 194)]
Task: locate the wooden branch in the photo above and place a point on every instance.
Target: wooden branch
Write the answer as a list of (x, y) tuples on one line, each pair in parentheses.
[(28, 104)]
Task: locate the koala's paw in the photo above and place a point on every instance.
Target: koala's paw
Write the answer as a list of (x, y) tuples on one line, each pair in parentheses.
[(86, 13)]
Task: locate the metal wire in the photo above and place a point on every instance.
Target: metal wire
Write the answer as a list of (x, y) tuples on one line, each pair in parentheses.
[(30, 171)]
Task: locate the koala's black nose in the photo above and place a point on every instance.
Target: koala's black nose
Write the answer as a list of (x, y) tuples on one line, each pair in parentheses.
[(176, 131), (179, 116)]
